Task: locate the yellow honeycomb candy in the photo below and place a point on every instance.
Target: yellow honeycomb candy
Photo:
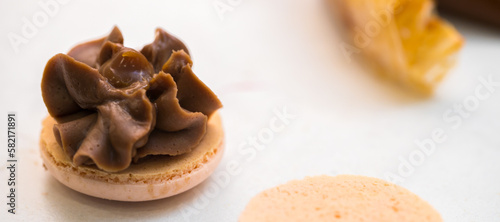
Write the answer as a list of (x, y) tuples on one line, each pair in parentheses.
[(403, 39)]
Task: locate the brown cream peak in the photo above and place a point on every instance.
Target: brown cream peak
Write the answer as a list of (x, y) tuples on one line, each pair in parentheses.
[(111, 107)]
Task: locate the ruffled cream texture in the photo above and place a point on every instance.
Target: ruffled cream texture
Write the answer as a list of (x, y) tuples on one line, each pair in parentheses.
[(114, 105)]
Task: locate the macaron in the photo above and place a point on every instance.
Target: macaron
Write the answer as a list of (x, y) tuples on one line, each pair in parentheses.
[(339, 198), (153, 178), (126, 124)]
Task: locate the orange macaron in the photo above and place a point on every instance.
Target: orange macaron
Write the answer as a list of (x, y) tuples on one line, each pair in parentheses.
[(340, 198)]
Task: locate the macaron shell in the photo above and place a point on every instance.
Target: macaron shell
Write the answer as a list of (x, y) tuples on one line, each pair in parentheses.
[(154, 178), (339, 198)]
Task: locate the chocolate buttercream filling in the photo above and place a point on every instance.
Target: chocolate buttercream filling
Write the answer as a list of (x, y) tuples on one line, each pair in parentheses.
[(114, 105)]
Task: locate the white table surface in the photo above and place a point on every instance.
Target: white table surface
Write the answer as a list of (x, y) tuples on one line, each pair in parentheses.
[(263, 56)]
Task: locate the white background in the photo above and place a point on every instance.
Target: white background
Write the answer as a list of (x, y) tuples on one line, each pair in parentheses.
[(262, 56)]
